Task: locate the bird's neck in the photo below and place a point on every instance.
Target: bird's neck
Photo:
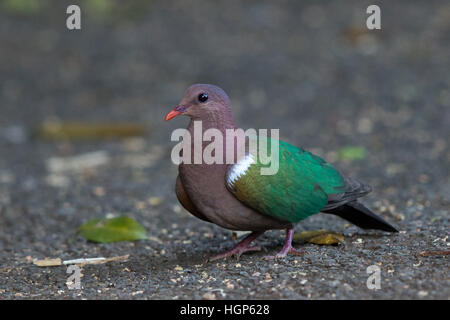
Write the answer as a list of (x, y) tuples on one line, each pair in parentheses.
[(214, 120), (200, 140)]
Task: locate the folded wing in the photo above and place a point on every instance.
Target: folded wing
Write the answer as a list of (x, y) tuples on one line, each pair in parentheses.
[(302, 186)]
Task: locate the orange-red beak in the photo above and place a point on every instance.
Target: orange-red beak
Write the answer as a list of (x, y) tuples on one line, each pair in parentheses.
[(175, 112)]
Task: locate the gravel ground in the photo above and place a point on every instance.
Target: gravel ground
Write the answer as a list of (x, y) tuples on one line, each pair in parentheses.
[(313, 71)]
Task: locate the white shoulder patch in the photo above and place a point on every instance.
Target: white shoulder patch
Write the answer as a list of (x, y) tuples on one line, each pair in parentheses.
[(239, 169)]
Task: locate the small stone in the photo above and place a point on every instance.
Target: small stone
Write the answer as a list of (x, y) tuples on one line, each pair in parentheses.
[(98, 191), (178, 268), (365, 125), (423, 178), (422, 293), (155, 201), (140, 205), (209, 296)]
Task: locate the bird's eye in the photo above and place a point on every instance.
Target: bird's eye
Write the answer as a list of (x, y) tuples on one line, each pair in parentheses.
[(202, 97)]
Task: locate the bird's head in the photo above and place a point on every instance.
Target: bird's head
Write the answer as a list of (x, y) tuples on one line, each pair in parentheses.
[(201, 101)]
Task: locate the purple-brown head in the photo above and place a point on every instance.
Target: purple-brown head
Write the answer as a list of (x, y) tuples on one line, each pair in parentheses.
[(201, 100)]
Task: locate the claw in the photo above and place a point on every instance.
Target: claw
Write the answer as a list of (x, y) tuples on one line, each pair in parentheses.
[(240, 248), (287, 248)]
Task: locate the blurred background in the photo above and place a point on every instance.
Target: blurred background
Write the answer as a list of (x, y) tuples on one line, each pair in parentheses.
[(81, 112)]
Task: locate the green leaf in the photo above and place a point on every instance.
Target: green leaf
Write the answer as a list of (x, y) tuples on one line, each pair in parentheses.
[(112, 230), (99, 7), (352, 153), (324, 237), (21, 6)]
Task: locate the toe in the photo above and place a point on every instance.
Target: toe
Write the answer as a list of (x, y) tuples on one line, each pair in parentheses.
[(253, 248)]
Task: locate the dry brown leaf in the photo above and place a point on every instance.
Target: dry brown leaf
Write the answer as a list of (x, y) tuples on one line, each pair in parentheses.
[(354, 34), (323, 237), (80, 130)]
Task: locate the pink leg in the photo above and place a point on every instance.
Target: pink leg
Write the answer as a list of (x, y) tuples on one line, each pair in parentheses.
[(241, 247), (287, 248)]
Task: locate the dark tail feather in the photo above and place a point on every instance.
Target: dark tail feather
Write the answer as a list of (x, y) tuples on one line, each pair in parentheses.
[(361, 216)]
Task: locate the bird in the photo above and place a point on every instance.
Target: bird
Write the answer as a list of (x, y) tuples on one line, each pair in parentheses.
[(236, 196)]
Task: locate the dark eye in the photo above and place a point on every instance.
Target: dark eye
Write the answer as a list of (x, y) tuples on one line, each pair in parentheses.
[(202, 97)]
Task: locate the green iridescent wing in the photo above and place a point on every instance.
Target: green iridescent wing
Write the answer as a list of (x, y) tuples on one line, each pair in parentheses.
[(301, 187)]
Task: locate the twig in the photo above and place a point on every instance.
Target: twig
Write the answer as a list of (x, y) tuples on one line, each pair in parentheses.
[(99, 260), (434, 253)]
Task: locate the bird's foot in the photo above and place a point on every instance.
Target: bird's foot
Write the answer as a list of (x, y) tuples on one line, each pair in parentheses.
[(241, 247), (287, 248), (236, 251), (283, 253)]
